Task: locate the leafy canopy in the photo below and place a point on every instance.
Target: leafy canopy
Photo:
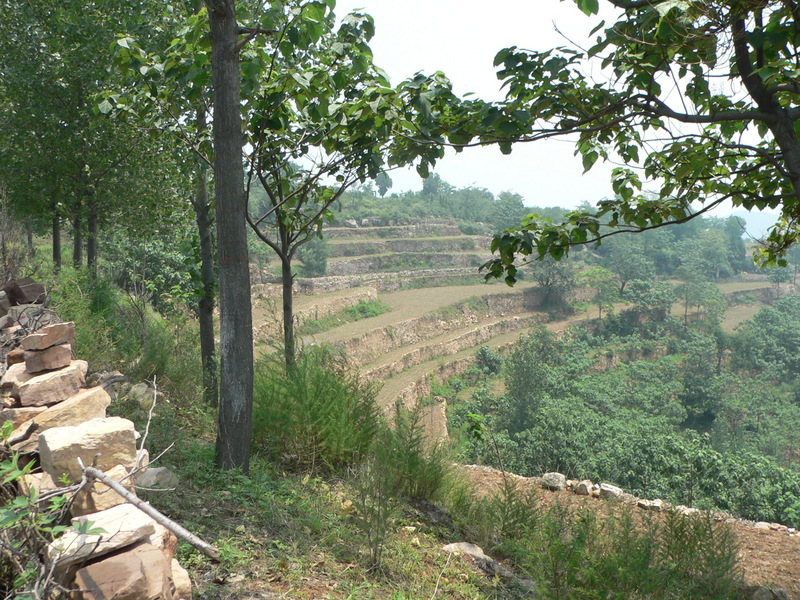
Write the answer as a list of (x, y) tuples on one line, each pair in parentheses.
[(700, 103)]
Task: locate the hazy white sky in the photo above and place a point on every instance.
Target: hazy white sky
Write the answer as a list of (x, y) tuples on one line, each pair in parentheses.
[(461, 38)]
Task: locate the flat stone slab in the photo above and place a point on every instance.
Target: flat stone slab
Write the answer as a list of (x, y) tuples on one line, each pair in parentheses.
[(44, 389), (49, 359), (110, 441), (121, 526), (84, 406), (18, 416), (52, 335), (141, 573)]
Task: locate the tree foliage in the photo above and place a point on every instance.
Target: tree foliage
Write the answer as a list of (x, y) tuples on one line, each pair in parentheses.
[(700, 103)]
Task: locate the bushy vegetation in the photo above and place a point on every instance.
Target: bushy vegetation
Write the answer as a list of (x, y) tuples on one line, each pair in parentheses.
[(665, 411)]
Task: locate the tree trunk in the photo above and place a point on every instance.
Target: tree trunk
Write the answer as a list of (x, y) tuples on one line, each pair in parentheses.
[(91, 239), (77, 235), (236, 320), (56, 241), (288, 311), (205, 309)]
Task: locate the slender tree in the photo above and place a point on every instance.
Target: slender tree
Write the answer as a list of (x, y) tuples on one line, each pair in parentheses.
[(236, 320)]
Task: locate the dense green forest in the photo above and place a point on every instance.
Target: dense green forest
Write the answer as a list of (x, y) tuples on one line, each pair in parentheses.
[(689, 414)]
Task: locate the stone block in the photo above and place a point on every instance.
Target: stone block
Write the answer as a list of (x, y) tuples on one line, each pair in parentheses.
[(181, 583), (39, 482), (121, 526), (15, 356), (83, 406), (101, 497), (52, 335), (554, 481), (583, 488), (141, 573), (51, 387), (5, 304), (111, 440), (49, 359), (163, 539), (610, 491), (12, 378), (18, 416), (157, 478)]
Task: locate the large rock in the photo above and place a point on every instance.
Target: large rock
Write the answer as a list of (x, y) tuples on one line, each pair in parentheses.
[(38, 482), (13, 377), (610, 491), (554, 481), (18, 416), (52, 335), (99, 496), (49, 359), (141, 573), (121, 526), (583, 488), (160, 478), (110, 440), (5, 304), (83, 406), (52, 387), (181, 582), (24, 291)]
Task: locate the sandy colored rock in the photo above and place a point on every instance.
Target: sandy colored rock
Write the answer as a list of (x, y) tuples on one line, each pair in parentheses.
[(141, 573), (83, 406), (100, 497), (182, 584), (111, 438), (39, 482), (160, 478), (583, 488), (15, 356), (13, 377), (163, 539), (51, 387), (52, 335), (554, 481), (49, 359), (122, 526), (18, 416), (610, 491)]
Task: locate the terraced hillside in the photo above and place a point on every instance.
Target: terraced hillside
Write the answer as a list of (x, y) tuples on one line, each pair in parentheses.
[(432, 327)]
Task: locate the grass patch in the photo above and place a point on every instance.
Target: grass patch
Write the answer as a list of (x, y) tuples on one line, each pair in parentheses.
[(363, 310)]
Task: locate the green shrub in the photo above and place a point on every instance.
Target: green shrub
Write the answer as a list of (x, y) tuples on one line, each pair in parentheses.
[(419, 470), (315, 416)]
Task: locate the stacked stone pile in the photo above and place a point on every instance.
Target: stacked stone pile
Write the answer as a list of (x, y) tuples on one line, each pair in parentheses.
[(22, 310), (115, 550)]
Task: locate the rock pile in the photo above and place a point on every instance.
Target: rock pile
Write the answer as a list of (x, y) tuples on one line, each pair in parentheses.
[(115, 550)]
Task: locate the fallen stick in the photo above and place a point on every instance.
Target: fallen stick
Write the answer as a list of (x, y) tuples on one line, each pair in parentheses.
[(181, 532)]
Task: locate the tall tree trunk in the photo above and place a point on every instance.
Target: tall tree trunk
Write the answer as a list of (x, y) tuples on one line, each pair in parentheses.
[(77, 235), (91, 238), (205, 309), (288, 310), (236, 319), (56, 241)]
